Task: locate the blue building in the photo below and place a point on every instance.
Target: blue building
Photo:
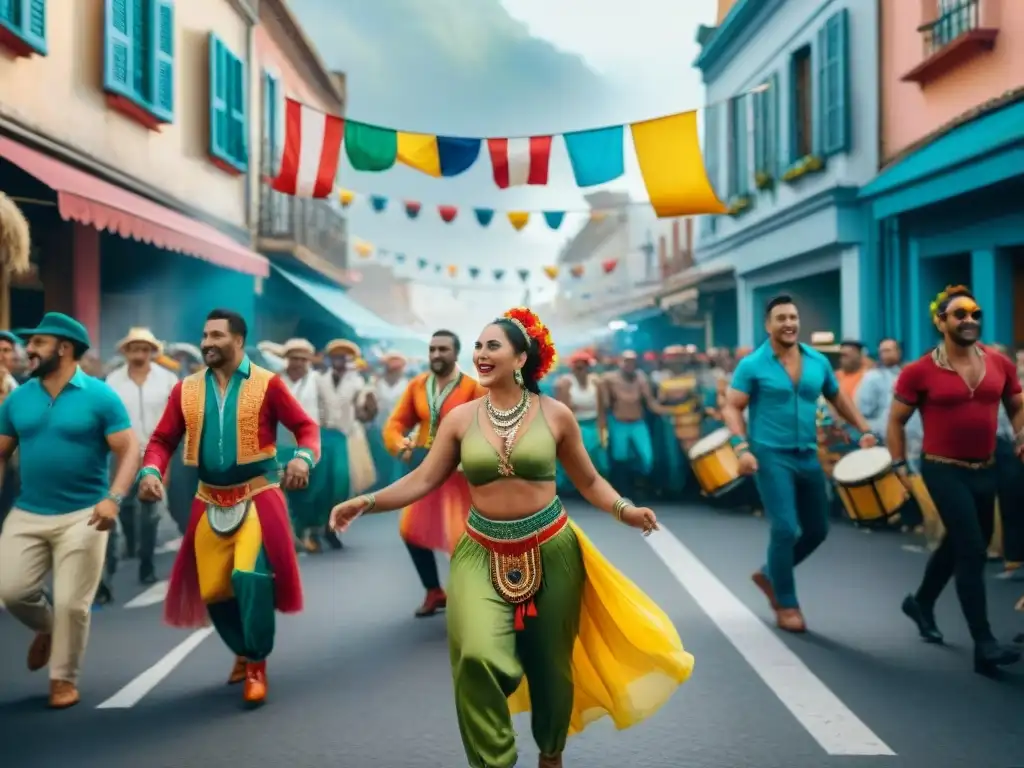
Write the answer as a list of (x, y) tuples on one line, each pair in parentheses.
[(788, 150)]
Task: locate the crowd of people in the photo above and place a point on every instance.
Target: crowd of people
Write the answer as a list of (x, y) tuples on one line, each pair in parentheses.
[(260, 453)]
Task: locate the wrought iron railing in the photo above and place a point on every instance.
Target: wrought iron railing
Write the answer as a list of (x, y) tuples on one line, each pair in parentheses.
[(314, 224), (956, 17)]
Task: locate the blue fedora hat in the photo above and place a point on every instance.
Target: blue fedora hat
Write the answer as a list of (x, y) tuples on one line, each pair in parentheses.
[(60, 325), (9, 336)]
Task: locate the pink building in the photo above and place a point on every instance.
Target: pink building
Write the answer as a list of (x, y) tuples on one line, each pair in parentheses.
[(946, 203)]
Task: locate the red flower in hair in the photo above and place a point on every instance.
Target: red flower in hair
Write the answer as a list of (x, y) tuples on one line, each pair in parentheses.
[(540, 334)]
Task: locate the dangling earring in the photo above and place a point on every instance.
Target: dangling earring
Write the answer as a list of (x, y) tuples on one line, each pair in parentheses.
[(518, 376)]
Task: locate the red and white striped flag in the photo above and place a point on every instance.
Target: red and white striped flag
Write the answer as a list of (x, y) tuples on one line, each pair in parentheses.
[(312, 146), (520, 161)]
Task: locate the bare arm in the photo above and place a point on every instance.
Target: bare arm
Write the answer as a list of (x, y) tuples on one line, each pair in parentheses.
[(8, 445), (562, 392), (736, 403), (125, 447), (649, 399), (848, 411), (577, 464), (441, 461), (896, 433)]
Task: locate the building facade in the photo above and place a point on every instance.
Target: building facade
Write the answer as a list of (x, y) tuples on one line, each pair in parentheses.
[(123, 136), (945, 208), (791, 134)]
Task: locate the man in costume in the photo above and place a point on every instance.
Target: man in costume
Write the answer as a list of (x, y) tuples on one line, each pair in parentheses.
[(342, 392), (144, 388), (781, 382), (958, 388), (436, 521), (237, 560)]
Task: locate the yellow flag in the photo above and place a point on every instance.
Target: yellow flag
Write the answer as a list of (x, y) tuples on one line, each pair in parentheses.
[(452, 270), (419, 151), (551, 272), (669, 153), (346, 197), (363, 248), (518, 219)]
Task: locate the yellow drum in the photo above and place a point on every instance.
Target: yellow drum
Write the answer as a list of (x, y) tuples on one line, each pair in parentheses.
[(715, 463), (868, 485), (687, 428)]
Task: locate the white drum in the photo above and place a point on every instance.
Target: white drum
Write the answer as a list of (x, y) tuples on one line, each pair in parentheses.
[(868, 485)]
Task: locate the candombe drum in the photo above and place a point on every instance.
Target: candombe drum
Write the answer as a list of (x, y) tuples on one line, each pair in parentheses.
[(868, 485), (715, 464)]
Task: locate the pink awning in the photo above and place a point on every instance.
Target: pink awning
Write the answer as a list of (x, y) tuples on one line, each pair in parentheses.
[(84, 198)]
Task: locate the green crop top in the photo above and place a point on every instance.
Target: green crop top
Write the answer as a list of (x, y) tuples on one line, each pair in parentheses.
[(533, 455)]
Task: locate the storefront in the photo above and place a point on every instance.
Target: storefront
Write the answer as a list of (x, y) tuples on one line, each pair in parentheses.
[(949, 213)]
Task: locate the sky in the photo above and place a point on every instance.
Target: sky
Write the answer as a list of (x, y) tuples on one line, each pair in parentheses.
[(497, 68)]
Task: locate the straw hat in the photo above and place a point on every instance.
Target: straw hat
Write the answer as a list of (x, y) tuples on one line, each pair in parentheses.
[(343, 347), (394, 360), (141, 336), (298, 348), (673, 349), (271, 348)]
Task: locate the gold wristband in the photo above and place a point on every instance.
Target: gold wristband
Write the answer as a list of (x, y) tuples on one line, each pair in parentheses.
[(371, 502), (620, 506)]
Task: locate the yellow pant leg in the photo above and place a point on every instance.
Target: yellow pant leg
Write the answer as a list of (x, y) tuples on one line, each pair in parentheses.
[(215, 560), (248, 542)]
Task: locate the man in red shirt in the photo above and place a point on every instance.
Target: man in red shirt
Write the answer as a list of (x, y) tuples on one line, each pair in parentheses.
[(958, 387)]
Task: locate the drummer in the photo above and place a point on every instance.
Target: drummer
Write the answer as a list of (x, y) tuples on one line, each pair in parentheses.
[(782, 452)]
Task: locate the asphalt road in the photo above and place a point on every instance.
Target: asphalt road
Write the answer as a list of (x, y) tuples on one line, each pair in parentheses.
[(357, 681)]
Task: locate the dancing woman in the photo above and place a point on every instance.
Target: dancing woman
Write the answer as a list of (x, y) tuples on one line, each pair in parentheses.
[(537, 618)]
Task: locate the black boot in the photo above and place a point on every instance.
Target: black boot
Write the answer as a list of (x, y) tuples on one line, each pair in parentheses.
[(990, 655), (924, 618)]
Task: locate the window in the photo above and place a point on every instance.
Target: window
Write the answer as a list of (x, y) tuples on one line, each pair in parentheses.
[(802, 106), (766, 130), (23, 26), (228, 141), (739, 147), (138, 70), (833, 82), (272, 120)]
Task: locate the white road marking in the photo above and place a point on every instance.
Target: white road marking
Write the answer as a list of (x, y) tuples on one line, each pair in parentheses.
[(915, 548), (155, 594), (822, 714), (134, 692)]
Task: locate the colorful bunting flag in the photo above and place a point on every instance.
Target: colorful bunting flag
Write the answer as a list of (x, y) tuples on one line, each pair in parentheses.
[(448, 213), (554, 218), (551, 272), (576, 270), (498, 274), (412, 209), (474, 272), (346, 196), (452, 270), (609, 265), (437, 267), (524, 274), (363, 248), (437, 155), (312, 146), (370, 147), (596, 156), (520, 161), (518, 219), (400, 258), (421, 263), (379, 203), (483, 216)]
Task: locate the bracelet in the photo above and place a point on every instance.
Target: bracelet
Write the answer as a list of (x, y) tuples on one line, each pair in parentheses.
[(899, 463), (371, 502), (620, 506)]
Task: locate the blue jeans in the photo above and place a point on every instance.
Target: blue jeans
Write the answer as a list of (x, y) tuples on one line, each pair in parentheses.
[(792, 488), (630, 441)]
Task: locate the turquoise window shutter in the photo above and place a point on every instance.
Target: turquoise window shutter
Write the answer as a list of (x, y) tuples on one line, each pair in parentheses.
[(837, 109), (773, 101), (819, 56), (161, 63), (760, 128), (740, 159), (118, 63), (238, 122), (142, 76), (33, 23), (271, 120), (218, 100)]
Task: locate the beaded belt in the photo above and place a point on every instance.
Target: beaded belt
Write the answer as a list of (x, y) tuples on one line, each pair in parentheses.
[(227, 506), (962, 463), (514, 549)]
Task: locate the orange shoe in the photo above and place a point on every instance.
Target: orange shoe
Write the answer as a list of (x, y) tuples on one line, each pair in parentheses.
[(762, 582), (436, 600), (238, 671), (790, 620), (63, 694), (255, 691), (39, 652)]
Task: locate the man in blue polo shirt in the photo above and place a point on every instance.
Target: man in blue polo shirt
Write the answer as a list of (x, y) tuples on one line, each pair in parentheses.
[(65, 424), (781, 382)]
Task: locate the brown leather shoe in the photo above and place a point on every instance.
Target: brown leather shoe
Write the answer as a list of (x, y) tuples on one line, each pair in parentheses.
[(237, 672), (436, 600), (63, 694), (39, 652), (791, 620), (255, 691), (549, 762), (762, 582)]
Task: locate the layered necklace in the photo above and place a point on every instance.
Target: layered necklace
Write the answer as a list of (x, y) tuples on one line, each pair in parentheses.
[(506, 426)]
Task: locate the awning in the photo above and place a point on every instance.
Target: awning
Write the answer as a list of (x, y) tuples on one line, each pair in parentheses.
[(89, 200), (364, 323)]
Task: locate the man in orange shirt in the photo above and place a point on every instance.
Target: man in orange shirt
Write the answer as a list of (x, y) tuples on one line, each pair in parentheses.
[(437, 521), (852, 367)]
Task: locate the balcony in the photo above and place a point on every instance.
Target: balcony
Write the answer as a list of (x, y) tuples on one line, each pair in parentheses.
[(311, 231), (958, 34)]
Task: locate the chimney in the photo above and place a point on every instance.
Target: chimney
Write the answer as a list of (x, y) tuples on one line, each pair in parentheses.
[(663, 260), (687, 255)]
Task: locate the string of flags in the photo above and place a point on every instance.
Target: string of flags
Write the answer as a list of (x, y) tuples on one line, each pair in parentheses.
[(483, 216), (668, 152), (366, 250)]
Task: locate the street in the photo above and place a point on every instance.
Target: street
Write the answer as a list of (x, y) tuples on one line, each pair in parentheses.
[(357, 681)]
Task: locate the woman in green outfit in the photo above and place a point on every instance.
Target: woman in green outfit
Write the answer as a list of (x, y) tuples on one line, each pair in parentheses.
[(537, 618)]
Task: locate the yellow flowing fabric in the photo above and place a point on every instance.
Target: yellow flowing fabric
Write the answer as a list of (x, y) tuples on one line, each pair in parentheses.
[(628, 659)]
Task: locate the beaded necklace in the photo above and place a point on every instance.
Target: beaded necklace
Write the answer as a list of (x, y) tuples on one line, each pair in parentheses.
[(506, 426)]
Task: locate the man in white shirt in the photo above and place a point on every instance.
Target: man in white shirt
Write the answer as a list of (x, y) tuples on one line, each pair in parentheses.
[(144, 388)]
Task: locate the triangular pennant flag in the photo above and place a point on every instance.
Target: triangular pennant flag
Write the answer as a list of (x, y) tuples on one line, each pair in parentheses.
[(524, 274), (312, 147), (346, 196), (412, 209), (421, 263), (474, 272), (498, 274), (551, 272), (576, 270), (448, 213), (554, 218), (363, 248), (518, 219), (484, 216), (379, 203), (609, 265), (400, 258), (437, 267), (452, 270)]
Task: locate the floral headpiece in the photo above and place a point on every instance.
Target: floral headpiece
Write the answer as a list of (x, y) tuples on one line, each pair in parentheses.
[(536, 332), (943, 296)]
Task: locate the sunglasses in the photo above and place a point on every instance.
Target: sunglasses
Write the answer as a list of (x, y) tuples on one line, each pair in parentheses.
[(963, 314)]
